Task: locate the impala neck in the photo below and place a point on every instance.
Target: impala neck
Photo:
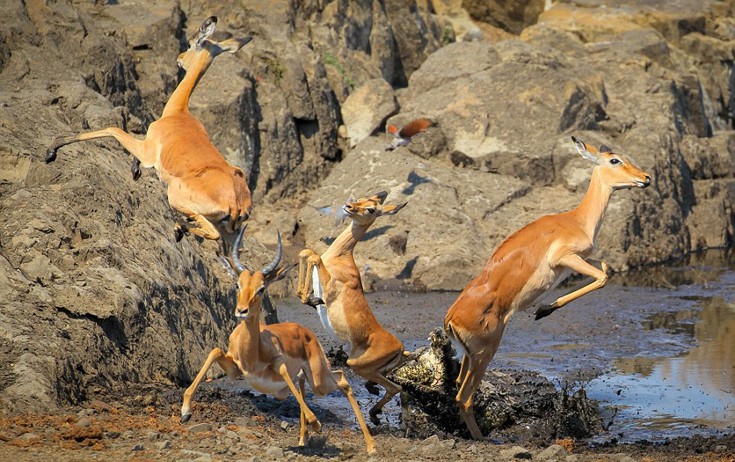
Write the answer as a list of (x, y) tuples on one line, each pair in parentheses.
[(250, 347), (347, 240), (179, 100), (591, 210)]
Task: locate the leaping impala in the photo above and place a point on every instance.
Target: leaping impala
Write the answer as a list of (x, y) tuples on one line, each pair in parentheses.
[(527, 265), (271, 357), (212, 195), (374, 351)]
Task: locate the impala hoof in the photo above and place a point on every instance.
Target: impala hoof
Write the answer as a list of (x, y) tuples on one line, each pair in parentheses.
[(314, 302), (544, 310), (372, 388), (374, 416), (178, 230), (135, 169), (316, 426), (185, 417), (50, 155)]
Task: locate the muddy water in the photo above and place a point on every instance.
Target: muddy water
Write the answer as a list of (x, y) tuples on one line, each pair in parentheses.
[(655, 347)]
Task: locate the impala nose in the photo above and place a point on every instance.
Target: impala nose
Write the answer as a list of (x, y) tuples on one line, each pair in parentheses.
[(241, 314), (647, 183)]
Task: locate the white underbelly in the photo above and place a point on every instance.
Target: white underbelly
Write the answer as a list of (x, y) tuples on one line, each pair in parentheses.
[(539, 286), (264, 385)]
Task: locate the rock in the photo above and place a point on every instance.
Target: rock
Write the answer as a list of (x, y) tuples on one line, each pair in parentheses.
[(516, 452), (29, 436), (284, 425), (138, 447), (200, 427), (552, 453), (84, 422), (367, 108), (274, 452), (161, 445)]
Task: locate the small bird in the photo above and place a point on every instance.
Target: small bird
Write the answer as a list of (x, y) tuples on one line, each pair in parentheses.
[(404, 135)]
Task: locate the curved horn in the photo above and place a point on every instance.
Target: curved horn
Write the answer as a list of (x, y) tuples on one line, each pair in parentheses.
[(206, 29), (236, 251), (274, 264)]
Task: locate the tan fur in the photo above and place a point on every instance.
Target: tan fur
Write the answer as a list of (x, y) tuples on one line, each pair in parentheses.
[(212, 195), (374, 351), (272, 357), (526, 266)]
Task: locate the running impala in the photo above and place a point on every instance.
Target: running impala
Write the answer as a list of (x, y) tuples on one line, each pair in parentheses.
[(527, 265), (333, 279), (212, 195), (271, 357)]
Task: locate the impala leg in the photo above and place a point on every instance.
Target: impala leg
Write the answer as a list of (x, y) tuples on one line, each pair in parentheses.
[(303, 430), (465, 399), (344, 385), (135, 146), (391, 390), (280, 366), (579, 265), (224, 361), (462, 370), (302, 286)]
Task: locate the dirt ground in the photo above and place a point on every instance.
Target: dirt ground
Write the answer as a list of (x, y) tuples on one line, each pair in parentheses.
[(240, 426)]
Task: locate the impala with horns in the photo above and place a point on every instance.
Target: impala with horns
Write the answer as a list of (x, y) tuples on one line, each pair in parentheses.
[(272, 357), (527, 265), (211, 195), (334, 280)]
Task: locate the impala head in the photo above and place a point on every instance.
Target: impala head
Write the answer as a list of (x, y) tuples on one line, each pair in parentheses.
[(252, 284), (616, 170), (202, 50), (365, 211)]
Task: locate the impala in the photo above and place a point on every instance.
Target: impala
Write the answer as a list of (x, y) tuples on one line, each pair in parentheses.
[(527, 265), (212, 195), (335, 281), (271, 357)]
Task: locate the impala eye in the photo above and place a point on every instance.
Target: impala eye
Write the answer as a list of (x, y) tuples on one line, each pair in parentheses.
[(370, 210), (615, 161), (260, 290)]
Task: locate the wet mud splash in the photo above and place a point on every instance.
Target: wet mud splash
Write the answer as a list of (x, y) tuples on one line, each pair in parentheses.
[(519, 406)]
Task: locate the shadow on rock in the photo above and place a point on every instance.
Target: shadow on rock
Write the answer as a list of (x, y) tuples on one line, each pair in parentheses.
[(519, 406)]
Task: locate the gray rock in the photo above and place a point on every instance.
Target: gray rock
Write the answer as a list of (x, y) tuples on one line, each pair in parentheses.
[(200, 427), (165, 444), (552, 453), (84, 422), (274, 452), (367, 108), (138, 447), (515, 452)]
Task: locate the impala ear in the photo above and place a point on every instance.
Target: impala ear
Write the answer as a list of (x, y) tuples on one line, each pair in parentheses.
[(278, 274), (379, 197), (585, 150), (233, 45), (392, 209)]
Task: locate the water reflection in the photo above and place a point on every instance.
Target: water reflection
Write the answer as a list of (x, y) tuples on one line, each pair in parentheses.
[(697, 388)]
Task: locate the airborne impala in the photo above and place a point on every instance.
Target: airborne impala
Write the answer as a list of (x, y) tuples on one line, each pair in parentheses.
[(271, 357), (212, 195), (336, 281), (527, 265)]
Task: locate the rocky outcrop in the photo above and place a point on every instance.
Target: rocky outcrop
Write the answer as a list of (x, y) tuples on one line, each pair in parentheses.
[(624, 77)]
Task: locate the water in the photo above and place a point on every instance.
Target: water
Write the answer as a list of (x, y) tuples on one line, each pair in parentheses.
[(656, 347)]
